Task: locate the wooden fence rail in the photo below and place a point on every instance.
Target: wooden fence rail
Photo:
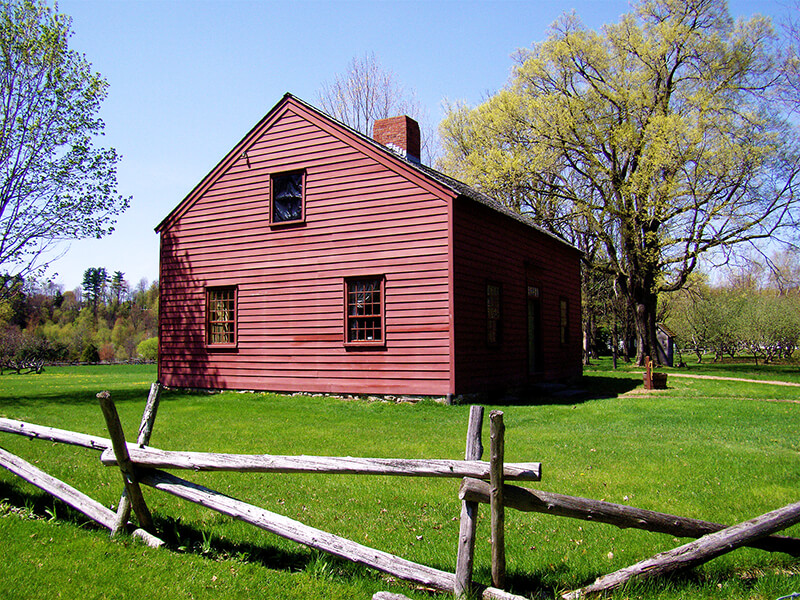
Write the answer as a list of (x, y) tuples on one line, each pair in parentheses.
[(69, 495), (296, 531), (52, 434), (55, 487), (496, 501), (528, 500), (137, 463), (696, 552), (126, 468), (142, 439), (465, 554), (307, 535), (269, 463)]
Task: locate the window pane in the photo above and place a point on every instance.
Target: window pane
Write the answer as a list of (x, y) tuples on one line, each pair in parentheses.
[(221, 316), (287, 197), (289, 185), (364, 311), (492, 313)]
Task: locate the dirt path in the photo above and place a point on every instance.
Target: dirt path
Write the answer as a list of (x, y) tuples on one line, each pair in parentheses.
[(786, 383)]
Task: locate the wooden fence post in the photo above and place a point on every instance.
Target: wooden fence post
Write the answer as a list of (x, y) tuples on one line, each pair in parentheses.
[(117, 436), (496, 454), (469, 510), (145, 431)]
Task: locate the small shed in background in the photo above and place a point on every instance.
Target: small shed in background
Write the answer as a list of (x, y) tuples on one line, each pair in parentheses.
[(666, 345)]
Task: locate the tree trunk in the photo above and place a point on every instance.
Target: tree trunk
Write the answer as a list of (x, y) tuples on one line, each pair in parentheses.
[(637, 292), (644, 303), (614, 345), (588, 338)]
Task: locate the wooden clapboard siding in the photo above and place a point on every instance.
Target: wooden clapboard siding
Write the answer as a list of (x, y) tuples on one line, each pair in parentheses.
[(490, 247), (361, 218)]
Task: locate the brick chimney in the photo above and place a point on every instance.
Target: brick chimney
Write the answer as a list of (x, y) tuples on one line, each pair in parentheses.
[(400, 135)]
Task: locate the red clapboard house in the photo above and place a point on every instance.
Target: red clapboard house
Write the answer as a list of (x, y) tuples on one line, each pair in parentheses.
[(315, 259)]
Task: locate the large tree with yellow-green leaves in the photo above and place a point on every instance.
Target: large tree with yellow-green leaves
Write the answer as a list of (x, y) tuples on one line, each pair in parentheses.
[(659, 138), (56, 185)]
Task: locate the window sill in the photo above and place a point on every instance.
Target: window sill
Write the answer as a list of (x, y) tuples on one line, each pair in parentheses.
[(222, 347), (355, 346), (287, 224)]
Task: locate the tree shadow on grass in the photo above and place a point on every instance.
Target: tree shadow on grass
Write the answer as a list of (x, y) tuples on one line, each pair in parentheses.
[(744, 369), (73, 397), (179, 537), (119, 394), (39, 505), (548, 582), (187, 538), (539, 586)]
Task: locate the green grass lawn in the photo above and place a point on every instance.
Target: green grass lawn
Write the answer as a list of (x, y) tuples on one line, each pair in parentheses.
[(717, 450)]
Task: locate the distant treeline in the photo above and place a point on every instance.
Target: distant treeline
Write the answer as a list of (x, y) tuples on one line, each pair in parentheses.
[(748, 308), (104, 320), (735, 320)]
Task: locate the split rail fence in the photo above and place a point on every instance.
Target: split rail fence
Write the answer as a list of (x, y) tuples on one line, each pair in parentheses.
[(482, 483)]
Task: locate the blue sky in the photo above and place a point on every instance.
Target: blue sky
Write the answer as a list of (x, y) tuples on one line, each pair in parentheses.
[(189, 78)]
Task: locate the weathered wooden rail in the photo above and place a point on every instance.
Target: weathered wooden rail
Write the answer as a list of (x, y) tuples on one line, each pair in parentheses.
[(696, 552), (55, 487), (145, 459), (528, 500), (103, 516), (297, 531), (714, 539), (341, 465), (52, 434)]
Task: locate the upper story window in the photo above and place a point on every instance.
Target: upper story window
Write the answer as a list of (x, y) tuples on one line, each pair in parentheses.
[(364, 311), (287, 197), (492, 314), (221, 316)]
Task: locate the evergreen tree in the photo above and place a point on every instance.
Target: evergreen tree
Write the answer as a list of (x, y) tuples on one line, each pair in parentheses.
[(94, 287)]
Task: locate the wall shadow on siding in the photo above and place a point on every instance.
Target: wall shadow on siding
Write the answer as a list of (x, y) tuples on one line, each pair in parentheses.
[(185, 359)]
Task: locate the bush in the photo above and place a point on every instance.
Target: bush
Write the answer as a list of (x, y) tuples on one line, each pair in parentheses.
[(90, 354), (20, 350), (148, 349), (107, 352)]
